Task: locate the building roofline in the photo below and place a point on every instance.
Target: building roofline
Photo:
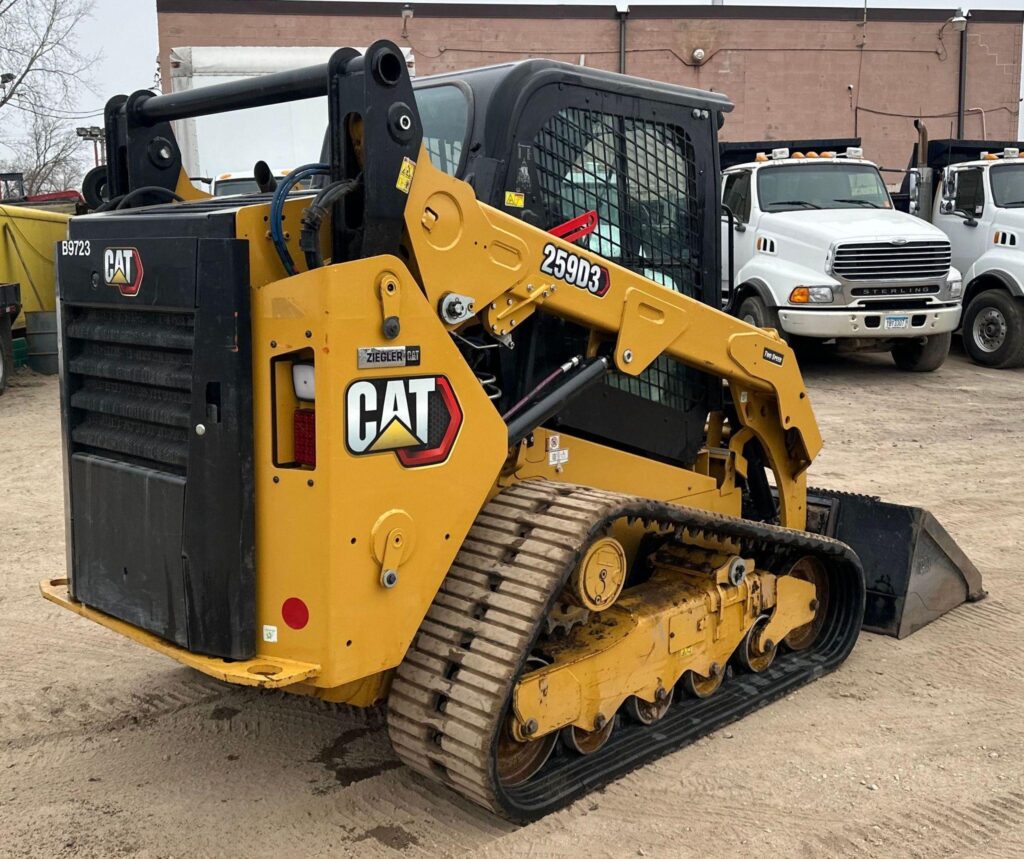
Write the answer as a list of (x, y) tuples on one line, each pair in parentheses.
[(606, 11)]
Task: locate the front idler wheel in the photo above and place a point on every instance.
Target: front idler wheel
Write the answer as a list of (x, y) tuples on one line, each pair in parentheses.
[(810, 569)]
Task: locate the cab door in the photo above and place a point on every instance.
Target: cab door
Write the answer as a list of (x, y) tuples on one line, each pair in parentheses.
[(736, 195), (649, 171), (964, 213)]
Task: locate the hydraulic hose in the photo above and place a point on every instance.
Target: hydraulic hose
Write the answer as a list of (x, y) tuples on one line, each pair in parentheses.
[(277, 210), (313, 217), (122, 201)]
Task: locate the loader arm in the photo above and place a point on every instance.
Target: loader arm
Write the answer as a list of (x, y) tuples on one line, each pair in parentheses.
[(509, 269)]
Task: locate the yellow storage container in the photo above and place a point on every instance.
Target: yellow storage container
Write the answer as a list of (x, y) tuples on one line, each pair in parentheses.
[(27, 248)]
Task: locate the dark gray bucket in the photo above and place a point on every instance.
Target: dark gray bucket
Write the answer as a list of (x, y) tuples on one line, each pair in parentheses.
[(41, 334)]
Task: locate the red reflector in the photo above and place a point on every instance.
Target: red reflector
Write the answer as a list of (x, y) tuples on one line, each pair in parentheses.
[(295, 613), (305, 437)]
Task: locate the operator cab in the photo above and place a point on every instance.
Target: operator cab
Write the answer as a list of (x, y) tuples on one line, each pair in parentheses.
[(549, 142)]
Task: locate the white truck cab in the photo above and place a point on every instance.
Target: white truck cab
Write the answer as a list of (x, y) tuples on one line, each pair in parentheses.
[(820, 253), (239, 182), (978, 203)]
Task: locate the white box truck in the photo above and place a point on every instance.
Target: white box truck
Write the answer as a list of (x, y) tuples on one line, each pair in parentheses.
[(284, 135), (973, 190), (819, 252)]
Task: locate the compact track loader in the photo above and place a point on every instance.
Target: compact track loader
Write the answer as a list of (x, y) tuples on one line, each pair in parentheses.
[(456, 426)]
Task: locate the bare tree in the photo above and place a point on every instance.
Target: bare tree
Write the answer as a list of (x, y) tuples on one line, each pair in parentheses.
[(49, 156), (41, 73), (41, 64)]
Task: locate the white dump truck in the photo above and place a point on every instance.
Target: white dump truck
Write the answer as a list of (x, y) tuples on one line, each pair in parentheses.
[(817, 250), (973, 190)]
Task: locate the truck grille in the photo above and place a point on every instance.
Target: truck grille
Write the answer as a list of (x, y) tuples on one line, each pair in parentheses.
[(923, 260), (130, 378)]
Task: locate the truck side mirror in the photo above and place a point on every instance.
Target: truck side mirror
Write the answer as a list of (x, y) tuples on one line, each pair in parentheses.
[(948, 184), (914, 181), (970, 221)]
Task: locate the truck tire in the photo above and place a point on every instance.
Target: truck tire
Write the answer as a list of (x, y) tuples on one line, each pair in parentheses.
[(6, 352), (922, 356), (993, 329), (755, 312)]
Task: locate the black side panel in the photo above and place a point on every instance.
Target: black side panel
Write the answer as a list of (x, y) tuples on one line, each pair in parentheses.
[(126, 543), (218, 547), (156, 392)]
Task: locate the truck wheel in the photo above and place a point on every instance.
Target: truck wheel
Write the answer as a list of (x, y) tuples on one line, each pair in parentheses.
[(6, 352), (922, 356), (993, 329), (755, 312)]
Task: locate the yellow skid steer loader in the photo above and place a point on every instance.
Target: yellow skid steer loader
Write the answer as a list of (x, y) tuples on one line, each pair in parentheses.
[(458, 426)]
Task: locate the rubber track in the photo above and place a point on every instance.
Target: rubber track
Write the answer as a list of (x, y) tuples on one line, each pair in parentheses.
[(451, 693)]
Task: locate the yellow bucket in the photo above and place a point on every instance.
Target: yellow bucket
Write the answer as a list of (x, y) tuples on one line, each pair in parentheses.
[(27, 247)]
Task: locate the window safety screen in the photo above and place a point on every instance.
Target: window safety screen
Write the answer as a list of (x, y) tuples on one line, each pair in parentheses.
[(640, 178)]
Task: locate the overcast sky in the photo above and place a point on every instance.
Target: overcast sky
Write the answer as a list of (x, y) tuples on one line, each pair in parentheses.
[(127, 29)]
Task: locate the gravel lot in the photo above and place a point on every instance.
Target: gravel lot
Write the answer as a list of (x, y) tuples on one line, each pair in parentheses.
[(912, 749)]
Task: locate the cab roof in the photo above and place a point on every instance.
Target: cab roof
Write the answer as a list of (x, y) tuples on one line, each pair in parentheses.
[(498, 92), (782, 162)]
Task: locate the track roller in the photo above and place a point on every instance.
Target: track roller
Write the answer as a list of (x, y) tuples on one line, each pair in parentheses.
[(697, 686), (587, 742), (754, 655), (648, 712)]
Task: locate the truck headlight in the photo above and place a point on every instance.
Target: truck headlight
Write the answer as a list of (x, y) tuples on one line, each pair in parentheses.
[(956, 288), (811, 295)]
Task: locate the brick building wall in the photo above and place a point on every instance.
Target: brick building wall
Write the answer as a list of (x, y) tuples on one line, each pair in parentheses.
[(792, 72)]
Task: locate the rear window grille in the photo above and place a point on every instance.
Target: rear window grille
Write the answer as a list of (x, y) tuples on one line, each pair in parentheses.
[(923, 260), (129, 383), (641, 179)]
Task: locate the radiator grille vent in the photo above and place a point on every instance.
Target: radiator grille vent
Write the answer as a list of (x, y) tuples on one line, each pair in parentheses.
[(130, 378), (921, 260)]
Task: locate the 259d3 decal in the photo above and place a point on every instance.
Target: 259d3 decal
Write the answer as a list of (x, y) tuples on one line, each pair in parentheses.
[(574, 269), (416, 417)]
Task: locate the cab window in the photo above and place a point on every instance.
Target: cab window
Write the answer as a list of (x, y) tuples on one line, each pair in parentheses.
[(444, 112), (736, 195), (969, 195)]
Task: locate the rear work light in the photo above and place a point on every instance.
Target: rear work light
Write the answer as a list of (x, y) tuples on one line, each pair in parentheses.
[(305, 437)]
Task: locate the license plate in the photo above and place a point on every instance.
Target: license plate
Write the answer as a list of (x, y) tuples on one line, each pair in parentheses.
[(894, 323)]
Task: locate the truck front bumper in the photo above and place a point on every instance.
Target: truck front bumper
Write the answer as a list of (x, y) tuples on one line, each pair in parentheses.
[(865, 322)]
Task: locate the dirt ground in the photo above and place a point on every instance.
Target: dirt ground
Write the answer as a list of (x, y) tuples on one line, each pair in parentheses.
[(912, 748)]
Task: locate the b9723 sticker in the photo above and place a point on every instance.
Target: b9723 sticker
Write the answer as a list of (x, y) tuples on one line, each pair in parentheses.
[(567, 266)]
